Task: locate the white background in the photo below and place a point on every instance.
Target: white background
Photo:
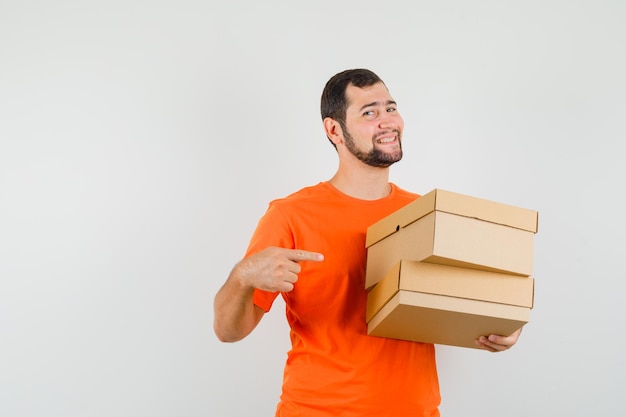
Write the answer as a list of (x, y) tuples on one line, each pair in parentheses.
[(140, 141)]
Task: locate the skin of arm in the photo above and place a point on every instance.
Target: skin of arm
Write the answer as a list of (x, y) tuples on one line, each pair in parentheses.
[(272, 269), (235, 314)]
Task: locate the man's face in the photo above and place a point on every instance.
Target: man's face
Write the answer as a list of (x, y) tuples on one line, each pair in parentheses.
[(373, 130)]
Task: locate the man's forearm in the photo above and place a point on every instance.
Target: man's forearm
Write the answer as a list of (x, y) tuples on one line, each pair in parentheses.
[(235, 314)]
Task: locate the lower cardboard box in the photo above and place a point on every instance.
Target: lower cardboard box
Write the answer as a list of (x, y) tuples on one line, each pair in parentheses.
[(447, 305)]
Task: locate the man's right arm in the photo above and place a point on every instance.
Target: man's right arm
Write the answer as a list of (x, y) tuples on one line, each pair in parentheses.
[(273, 269), (235, 314)]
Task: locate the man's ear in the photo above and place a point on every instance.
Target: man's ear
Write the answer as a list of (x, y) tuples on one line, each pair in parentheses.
[(333, 130)]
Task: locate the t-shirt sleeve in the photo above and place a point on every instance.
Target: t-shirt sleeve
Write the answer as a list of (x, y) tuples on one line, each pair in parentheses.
[(273, 229)]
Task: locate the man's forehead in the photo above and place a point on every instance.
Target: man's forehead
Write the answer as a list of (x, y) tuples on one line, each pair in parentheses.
[(369, 95)]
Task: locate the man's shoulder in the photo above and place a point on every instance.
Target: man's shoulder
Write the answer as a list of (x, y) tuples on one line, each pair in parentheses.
[(402, 194), (306, 194)]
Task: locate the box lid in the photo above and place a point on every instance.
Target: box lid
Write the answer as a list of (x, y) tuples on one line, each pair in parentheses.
[(455, 203)]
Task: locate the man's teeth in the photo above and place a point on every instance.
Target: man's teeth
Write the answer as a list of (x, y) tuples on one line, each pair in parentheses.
[(386, 140)]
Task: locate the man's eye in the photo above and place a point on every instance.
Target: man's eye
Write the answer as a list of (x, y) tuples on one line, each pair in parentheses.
[(391, 110), (368, 113)]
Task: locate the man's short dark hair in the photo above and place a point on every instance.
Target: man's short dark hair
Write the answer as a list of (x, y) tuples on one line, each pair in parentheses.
[(334, 102)]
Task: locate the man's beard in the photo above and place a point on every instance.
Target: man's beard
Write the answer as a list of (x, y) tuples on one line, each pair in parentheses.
[(374, 157)]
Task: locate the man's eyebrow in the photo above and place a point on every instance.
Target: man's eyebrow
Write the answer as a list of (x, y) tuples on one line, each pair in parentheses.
[(377, 103)]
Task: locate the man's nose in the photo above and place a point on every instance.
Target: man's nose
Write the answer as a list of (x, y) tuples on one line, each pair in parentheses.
[(389, 121)]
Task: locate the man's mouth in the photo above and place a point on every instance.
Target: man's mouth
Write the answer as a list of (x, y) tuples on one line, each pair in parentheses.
[(386, 139)]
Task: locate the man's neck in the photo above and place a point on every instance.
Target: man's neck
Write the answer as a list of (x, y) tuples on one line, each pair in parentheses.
[(365, 184)]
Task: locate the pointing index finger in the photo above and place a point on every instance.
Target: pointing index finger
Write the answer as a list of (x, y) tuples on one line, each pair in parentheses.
[(304, 255)]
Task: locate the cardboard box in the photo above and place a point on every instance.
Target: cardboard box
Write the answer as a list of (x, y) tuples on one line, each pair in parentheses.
[(453, 229), (448, 305)]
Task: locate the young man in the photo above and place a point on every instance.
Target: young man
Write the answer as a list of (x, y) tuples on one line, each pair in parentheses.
[(309, 247)]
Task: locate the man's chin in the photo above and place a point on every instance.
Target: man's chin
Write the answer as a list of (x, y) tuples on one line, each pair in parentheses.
[(385, 163)]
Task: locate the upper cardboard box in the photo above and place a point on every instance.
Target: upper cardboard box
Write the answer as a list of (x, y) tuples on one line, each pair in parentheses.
[(455, 203)]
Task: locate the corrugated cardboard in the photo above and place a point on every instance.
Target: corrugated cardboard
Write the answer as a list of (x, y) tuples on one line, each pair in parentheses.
[(447, 305), (453, 229)]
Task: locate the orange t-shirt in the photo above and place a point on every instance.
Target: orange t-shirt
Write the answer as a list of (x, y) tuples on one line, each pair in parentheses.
[(334, 368)]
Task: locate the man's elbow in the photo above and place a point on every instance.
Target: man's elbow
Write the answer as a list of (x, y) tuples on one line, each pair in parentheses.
[(228, 330), (227, 335), (225, 338)]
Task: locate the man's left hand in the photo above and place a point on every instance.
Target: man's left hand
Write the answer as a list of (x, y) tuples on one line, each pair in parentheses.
[(496, 343)]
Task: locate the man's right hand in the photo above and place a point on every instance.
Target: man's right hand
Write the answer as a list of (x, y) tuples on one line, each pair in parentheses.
[(274, 269)]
